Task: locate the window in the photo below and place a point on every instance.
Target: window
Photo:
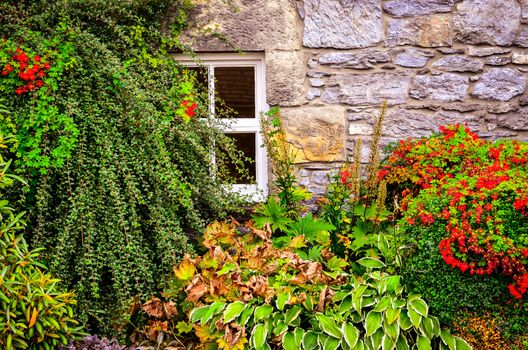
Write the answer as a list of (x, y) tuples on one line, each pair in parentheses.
[(239, 81)]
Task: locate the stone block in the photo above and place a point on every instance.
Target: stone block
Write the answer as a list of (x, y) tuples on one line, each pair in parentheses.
[(493, 22), (342, 24), (522, 38), (361, 60), (285, 77), (487, 51), (516, 121), (497, 60), (406, 8), (429, 31), (446, 87), (317, 134), (500, 84), (361, 89), (458, 63), (413, 58), (520, 58)]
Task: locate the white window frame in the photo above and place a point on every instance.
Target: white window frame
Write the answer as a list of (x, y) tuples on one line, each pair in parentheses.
[(258, 191)]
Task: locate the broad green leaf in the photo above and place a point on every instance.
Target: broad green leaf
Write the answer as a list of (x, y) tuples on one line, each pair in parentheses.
[(196, 314), (308, 303), (415, 317), (262, 312), (388, 343), (436, 326), (246, 314), (282, 299), (392, 314), (420, 306), (423, 343), (393, 282), (233, 310), (448, 339), (350, 333), (371, 263), (288, 342), (405, 321), (426, 327), (259, 336), (383, 244), (298, 333), (331, 343), (309, 341), (345, 305), (461, 344), (360, 345), (383, 304), (372, 322), (328, 325), (342, 294), (376, 339), (392, 329), (402, 343), (292, 314), (215, 308), (228, 267), (280, 328)]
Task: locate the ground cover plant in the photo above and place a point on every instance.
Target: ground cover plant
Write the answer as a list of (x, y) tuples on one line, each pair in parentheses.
[(465, 223), (108, 137)]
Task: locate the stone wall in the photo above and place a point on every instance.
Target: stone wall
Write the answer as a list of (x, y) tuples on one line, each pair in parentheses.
[(330, 64)]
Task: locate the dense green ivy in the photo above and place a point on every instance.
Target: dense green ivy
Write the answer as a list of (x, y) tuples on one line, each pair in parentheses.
[(117, 179)]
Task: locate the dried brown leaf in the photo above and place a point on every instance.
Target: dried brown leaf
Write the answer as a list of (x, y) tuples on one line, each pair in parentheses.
[(153, 308)]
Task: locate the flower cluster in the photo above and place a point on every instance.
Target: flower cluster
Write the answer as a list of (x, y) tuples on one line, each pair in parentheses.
[(476, 191), (30, 70), (187, 110)]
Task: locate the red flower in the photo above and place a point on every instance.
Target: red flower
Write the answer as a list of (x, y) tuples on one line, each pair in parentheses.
[(39, 83), (514, 291), (36, 58), (20, 90)]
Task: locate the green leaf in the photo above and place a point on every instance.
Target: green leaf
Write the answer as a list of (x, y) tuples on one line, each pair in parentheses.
[(392, 314), (215, 308), (436, 326), (226, 268), (372, 322), (393, 282), (360, 345), (262, 312), (259, 336), (420, 306), (331, 343), (405, 321), (196, 314), (246, 314), (345, 305), (371, 263), (415, 317), (376, 339), (309, 340), (402, 343), (383, 303), (298, 333), (308, 303), (288, 342), (328, 325), (292, 314), (388, 343), (448, 339), (461, 344), (233, 310), (426, 327), (282, 299), (423, 343), (392, 329), (350, 333)]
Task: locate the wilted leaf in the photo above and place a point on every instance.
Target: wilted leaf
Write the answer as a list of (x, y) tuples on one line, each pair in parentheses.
[(185, 270), (153, 308)]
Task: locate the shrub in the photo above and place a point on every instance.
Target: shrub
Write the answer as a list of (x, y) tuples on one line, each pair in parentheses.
[(465, 208), (34, 312), (93, 342), (116, 156)]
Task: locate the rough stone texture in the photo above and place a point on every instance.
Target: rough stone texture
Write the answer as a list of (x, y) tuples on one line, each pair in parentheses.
[(244, 23), (458, 64), (357, 89), (487, 51), (492, 22), (523, 101), (450, 50), (522, 38), (463, 107), (503, 107), (445, 87), (359, 129), (406, 8), (524, 14), (362, 60), (413, 58), (517, 121), (497, 60), (401, 123), (281, 91), (500, 84), (430, 31), (318, 134), (520, 58), (342, 24), (313, 93), (320, 177)]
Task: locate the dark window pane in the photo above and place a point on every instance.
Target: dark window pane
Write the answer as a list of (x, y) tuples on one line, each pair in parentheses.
[(246, 143), (201, 76), (236, 87)]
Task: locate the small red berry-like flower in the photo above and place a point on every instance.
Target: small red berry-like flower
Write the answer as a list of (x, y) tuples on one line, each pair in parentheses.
[(20, 90)]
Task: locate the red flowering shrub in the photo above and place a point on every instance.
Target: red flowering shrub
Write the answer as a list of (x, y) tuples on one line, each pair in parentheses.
[(27, 71), (477, 191)]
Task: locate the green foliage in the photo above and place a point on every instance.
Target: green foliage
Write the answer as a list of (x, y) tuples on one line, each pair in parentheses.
[(273, 299), (34, 312), (464, 222), (117, 159)]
